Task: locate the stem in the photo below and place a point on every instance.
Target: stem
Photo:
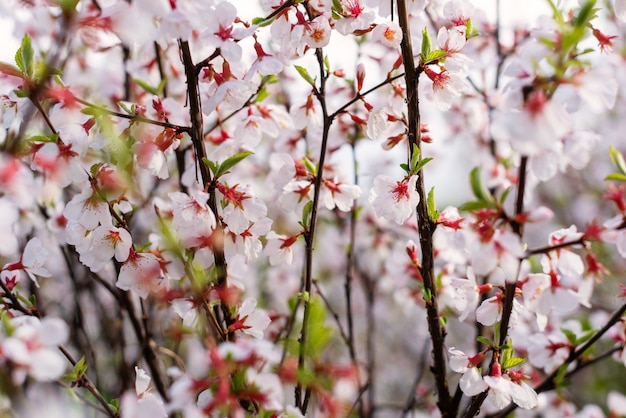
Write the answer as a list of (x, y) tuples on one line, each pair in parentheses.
[(134, 118), (197, 138), (309, 236), (425, 224)]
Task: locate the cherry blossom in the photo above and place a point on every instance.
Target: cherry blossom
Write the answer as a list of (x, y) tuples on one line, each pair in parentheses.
[(388, 34), (143, 403), (250, 320), (141, 273), (394, 200), (32, 348), (32, 261)]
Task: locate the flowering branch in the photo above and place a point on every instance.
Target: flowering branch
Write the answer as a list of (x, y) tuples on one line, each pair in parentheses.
[(426, 225)]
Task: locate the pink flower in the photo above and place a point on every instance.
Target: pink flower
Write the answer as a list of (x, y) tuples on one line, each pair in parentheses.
[(355, 17), (143, 403), (388, 34), (447, 86), (250, 320), (394, 200), (141, 273), (317, 32), (32, 261), (32, 348), (88, 209), (337, 194), (219, 31), (278, 248), (509, 387)]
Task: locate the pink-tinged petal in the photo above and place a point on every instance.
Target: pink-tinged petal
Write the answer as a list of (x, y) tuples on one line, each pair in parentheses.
[(47, 365), (142, 381), (53, 332), (472, 382)]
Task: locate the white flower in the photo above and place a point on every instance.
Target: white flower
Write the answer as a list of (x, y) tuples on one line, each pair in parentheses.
[(32, 348), (394, 200), (140, 273), (388, 34), (317, 32), (143, 403), (250, 320)]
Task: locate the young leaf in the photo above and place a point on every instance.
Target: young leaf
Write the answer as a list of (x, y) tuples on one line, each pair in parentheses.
[(230, 162), (147, 87), (421, 164), (433, 213), (512, 362), (435, 56), (24, 56), (588, 334), (305, 75), (306, 212), (211, 165), (618, 160), (478, 187), (474, 205), (616, 177), (415, 158), (484, 340), (426, 44), (571, 336)]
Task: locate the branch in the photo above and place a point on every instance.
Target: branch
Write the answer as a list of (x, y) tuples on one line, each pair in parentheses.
[(197, 138), (425, 224), (134, 118), (309, 236), (549, 382)]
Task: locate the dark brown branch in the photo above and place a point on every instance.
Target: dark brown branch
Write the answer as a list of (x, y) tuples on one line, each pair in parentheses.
[(309, 235), (425, 225), (197, 138)]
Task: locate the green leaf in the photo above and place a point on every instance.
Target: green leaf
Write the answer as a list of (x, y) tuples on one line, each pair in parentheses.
[(43, 138), (304, 73), (421, 164), (147, 87), (415, 158), (571, 336), (262, 22), (230, 162), (406, 168), (484, 340), (318, 332), (618, 160), (433, 213), (505, 194), (512, 362), (426, 44), (125, 108), (474, 205), (211, 165), (588, 334), (616, 177), (435, 56), (306, 213), (586, 14), (24, 56), (311, 168), (261, 95), (68, 6), (478, 187)]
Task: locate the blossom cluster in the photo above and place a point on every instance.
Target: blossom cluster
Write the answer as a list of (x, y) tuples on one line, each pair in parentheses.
[(215, 209)]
